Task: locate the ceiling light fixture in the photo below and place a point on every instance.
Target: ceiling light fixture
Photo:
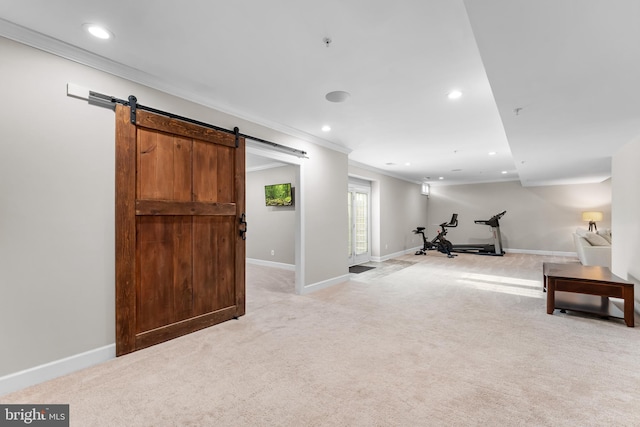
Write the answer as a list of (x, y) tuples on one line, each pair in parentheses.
[(441, 177), (504, 172), (454, 94), (326, 128), (98, 31), (337, 96), (492, 153)]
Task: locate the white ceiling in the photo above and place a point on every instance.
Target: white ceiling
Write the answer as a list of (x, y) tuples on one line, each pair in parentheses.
[(570, 68)]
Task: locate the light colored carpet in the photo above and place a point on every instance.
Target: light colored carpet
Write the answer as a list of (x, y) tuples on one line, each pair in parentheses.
[(430, 342)]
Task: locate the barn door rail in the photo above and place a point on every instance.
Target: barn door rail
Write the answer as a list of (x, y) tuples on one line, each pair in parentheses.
[(108, 101)]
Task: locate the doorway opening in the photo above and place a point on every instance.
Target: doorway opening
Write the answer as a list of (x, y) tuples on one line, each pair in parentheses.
[(275, 158), (359, 210)]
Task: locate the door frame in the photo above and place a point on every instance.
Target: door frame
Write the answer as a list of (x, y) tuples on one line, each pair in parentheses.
[(299, 244), (362, 186)]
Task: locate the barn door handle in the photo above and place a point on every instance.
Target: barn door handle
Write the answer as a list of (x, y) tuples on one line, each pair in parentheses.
[(243, 221)]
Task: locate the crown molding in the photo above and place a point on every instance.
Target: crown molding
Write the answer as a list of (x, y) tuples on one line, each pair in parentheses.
[(265, 167), (64, 50), (381, 171)]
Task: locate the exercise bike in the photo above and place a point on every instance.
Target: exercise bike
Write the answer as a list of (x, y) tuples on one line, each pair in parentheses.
[(439, 243), (494, 249)]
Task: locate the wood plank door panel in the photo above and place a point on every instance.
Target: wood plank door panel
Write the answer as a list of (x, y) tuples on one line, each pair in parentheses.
[(163, 167), (210, 265), (179, 254), (163, 271), (208, 186)]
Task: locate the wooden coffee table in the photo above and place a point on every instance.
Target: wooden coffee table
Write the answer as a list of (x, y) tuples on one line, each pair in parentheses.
[(594, 286)]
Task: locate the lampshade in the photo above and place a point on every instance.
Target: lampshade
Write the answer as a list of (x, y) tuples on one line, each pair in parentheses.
[(592, 216)]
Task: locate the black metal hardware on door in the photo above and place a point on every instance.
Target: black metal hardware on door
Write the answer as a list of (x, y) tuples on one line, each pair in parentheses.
[(243, 221)]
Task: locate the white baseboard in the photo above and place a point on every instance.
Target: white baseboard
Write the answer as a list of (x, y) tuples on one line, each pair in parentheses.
[(290, 267), (324, 284), (395, 255), (512, 251), (535, 252), (57, 368)]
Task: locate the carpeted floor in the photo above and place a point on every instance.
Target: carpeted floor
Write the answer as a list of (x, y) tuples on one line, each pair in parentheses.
[(438, 342)]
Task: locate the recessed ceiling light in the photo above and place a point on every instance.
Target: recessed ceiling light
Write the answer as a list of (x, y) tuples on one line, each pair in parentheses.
[(441, 177), (408, 164), (337, 96), (504, 172), (98, 31), (326, 128), (454, 94), (492, 153)]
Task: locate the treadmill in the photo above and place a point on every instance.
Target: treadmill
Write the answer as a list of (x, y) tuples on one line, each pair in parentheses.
[(494, 249)]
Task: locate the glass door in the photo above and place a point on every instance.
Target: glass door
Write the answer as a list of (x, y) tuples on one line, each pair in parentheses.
[(359, 230)]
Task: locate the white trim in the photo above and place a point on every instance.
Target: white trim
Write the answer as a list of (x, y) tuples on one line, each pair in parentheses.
[(395, 254), (536, 252), (57, 368), (265, 167), (300, 239), (357, 185), (325, 284), (264, 263), (260, 149), (509, 251), (379, 171), (279, 158)]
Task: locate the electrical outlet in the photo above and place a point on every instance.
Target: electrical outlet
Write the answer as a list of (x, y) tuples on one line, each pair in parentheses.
[(273, 252)]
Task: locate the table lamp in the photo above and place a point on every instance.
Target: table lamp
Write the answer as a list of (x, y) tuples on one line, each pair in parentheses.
[(592, 217)]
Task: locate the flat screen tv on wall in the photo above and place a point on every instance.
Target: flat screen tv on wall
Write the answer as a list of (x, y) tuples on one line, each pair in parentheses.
[(278, 195)]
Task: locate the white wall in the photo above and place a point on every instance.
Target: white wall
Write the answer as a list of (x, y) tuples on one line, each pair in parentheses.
[(56, 212), (271, 228), (625, 250), (57, 205), (325, 187), (537, 219)]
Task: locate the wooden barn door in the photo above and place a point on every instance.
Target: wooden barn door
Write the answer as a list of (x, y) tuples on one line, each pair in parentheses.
[(180, 255)]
